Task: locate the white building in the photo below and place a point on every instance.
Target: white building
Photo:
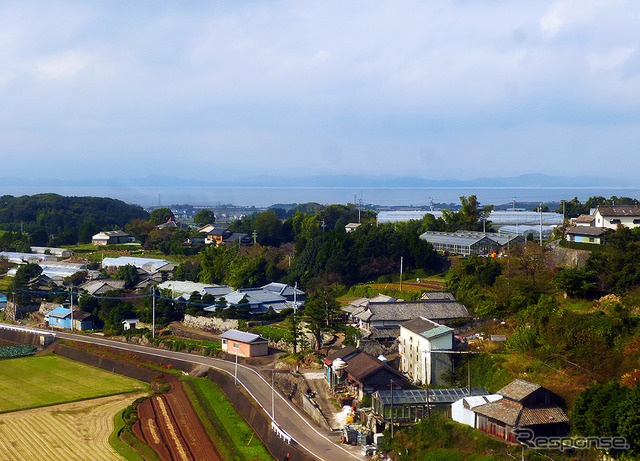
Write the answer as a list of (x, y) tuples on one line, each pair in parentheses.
[(462, 410), (419, 339), (610, 216)]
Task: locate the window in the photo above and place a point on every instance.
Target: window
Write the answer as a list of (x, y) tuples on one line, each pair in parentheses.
[(636, 221), (591, 239), (615, 221)]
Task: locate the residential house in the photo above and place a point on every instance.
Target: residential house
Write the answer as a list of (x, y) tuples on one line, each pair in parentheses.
[(351, 227), (100, 287), (172, 223), (259, 300), (61, 317), (587, 234), (610, 217), (383, 319), (244, 344), (523, 405), (130, 324), (359, 373), (112, 238), (423, 345), (224, 236)]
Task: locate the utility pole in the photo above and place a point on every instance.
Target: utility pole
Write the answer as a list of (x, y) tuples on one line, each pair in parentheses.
[(153, 314), (255, 237), (541, 224), (401, 262), (71, 292)]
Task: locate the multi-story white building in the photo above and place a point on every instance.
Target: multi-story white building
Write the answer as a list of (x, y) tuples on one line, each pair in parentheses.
[(419, 339)]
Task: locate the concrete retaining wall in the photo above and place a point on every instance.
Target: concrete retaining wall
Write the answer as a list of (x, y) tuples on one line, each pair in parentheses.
[(21, 336), (106, 363)]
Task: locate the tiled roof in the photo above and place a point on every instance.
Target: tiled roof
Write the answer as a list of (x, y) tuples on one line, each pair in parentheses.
[(518, 389), (407, 310), (585, 218), (363, 365), (342, 353), (619, 210), (544, 415), (502, 410), (586, 230)]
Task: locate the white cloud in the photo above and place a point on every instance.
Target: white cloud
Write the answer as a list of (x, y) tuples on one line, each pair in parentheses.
[(612, 59), (561, 14), (62, 66)]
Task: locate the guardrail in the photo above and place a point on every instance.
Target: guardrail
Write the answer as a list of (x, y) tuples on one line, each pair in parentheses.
[(27, 330)]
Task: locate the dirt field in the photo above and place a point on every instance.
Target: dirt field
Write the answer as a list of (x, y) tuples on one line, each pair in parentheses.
[(169, 425), (71, 431)]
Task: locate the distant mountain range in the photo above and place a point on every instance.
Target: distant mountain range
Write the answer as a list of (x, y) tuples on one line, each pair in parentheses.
[(525, 180)]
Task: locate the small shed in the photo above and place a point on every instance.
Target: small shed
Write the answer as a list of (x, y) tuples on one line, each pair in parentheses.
[(244, 344), (130, 324), (462, 410)]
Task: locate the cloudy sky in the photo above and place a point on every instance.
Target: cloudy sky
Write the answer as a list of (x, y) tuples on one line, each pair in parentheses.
[(432, 89)]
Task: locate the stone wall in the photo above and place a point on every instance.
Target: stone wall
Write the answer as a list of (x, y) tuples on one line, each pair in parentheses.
[(213, 324), (14, 312), (569, 257), (45, 308)]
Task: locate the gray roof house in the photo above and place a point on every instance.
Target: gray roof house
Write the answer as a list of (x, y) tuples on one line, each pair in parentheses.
[(383, 319), (260, 300)]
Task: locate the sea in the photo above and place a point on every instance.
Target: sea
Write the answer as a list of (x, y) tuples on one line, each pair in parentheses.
[(262, 197)]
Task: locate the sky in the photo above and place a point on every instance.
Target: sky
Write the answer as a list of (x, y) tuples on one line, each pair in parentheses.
[(210, 89)]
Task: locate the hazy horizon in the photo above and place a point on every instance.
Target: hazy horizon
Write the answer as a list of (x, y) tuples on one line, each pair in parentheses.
[(428, 89)]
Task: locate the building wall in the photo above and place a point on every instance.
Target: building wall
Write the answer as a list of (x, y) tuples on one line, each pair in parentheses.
[(245, 349), (462, 415), (416, 364), (605, 221)]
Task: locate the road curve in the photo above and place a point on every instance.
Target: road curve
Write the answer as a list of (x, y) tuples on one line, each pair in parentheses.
[(288, 417)]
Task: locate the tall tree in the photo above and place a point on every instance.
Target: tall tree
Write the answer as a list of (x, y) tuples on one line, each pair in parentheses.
[(204, 217)]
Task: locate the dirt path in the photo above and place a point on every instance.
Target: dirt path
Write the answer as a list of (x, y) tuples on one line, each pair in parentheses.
[(169, 425)]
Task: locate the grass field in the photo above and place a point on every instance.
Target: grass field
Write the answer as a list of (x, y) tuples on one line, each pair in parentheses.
[(232, 436), (32, 382), (78, 430)]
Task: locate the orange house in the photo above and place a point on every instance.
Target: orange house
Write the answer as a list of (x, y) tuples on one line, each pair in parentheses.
[(244, 344)]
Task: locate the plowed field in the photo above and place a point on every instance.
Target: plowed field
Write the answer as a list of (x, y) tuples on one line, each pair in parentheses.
[(71, 431), (169, 425)]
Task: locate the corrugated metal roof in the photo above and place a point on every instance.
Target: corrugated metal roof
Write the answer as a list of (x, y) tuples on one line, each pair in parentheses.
[(241, 336), (586, 230)]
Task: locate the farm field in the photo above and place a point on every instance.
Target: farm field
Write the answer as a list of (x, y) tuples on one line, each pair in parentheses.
[(78, 430), (32, 382)]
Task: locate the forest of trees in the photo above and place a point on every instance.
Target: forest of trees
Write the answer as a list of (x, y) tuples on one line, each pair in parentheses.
[(54, 220)]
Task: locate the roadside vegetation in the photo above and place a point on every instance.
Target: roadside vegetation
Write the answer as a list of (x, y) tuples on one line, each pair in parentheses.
[(232, 435)]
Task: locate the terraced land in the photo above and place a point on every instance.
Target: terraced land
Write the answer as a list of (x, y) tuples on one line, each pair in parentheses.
[(32, 382)]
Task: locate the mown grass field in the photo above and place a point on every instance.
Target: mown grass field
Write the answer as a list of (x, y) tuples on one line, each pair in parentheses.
[(32, 382)]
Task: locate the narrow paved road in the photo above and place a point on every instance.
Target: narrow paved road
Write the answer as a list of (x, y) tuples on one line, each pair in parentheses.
[(288, 417)]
